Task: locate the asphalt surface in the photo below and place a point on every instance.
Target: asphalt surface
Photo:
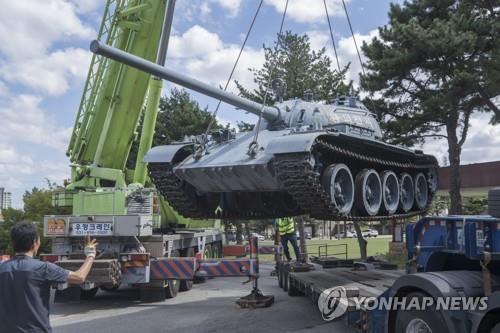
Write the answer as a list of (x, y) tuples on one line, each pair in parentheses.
[(208, 307)]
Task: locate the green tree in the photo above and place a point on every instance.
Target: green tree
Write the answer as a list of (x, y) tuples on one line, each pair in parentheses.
[(440, 62), (37, 204), (11, 216), (476, 206), (244, 126), (303, 69), (179, 116)]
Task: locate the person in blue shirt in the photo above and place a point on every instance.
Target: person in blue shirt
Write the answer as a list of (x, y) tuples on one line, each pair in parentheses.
[(25, 282)]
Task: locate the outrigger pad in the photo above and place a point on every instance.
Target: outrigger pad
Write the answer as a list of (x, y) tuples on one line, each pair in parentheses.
[(255, 300)]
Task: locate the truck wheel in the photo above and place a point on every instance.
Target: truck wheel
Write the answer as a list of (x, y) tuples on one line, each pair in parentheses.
[(494, 202), (216, 250), (187, 284), (208, 251), (285, 277), (110, 288), (88, 294), (279, 273), (415, 321), (292, 290), (173, 285)]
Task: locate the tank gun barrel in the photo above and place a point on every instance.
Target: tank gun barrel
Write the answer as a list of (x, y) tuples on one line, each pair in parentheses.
[(269, 113)]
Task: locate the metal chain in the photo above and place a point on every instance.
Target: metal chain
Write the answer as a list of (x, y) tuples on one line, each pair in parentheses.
[(331, 34), (253, 146), (214, 114)]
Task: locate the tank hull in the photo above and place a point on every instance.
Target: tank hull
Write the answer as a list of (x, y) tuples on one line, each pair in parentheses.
[(282, 179)]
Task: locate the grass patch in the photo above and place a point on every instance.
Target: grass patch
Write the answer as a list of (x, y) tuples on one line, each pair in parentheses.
[(375, 246)]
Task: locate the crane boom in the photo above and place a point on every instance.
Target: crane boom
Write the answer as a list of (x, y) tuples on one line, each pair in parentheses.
[(114, 94)]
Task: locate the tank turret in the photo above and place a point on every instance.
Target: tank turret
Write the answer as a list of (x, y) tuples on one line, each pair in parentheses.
[(325, 159)]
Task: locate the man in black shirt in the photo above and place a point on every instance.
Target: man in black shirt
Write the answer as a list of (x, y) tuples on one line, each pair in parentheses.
[(25, 282)]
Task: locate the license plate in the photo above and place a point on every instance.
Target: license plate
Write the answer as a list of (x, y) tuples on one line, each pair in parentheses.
[(91, 229)]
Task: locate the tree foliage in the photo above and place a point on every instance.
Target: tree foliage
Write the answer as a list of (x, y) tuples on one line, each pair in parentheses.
[(435, 64), (244, 126), (303, 69), (10, 217), (37, 204), (178, 116)]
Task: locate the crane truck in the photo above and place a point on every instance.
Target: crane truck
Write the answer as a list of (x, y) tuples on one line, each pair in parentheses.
[(131, 221)]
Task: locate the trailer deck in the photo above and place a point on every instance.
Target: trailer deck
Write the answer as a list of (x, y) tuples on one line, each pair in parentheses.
[(314, 282), (368, 282)]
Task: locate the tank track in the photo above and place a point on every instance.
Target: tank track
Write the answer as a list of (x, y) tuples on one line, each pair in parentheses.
[(172, 188), (296, 172)]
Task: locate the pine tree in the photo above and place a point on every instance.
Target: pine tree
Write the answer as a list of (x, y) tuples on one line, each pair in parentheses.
[(179, 115), (436, 63), (303, 69)]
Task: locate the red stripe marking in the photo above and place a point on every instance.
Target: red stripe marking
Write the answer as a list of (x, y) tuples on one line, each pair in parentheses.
[(164, 270), (155, 272), (172, 264), (235, 266), (211, 271), (187, 264), (223, 266)]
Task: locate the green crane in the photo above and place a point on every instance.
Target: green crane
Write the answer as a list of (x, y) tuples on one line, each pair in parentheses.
[(115, 99)]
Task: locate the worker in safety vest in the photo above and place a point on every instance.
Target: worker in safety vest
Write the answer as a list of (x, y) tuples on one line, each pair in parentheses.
[(287, 234)]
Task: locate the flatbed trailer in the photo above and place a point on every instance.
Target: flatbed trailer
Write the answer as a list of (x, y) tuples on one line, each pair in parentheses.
[(453, 261), (369, 283)]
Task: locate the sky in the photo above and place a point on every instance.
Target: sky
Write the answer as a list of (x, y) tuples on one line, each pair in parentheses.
[(44, 61)]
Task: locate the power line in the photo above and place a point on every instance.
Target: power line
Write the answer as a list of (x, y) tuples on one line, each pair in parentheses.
[(214, 114)]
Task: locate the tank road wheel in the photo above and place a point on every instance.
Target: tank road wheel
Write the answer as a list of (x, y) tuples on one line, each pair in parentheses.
[(421, 191), (173, 285), (390, 192), (338, 183), (368, 192), (407, 192), (432, 179)]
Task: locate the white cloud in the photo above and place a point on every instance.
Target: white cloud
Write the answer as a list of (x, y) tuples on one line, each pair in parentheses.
[(23, 120), (19, 172), (216, 66), (4, 90), (308, 11), (346, 50), (205, 10), (482, 144), (232, 6), (29, 27), (196, 41), (87, 6), (51, 74), (347, 53), (202, 54)]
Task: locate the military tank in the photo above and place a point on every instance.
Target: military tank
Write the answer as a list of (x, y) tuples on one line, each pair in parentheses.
[(324, 159)]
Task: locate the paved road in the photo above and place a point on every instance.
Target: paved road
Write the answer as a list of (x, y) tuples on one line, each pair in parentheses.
[(208, 307)]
